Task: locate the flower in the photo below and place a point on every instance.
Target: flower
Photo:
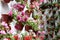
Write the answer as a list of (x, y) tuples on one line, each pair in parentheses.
[(23, 13), (16, 37), (42, 37), (6, 18), (2, 32), (10, 13), (41, 0), (5, 24), (6, 1), (6, 39), (19, 7), (42, 32), (25, 18), (28, 38), (19, 26), (19, 18), (32, 6), (36, 4)]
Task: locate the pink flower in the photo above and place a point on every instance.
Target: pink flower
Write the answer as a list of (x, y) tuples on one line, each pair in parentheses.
[(36, 4), (43, 32), (11, 31), (41, 0), (23, 13), (10, 13), (5, 24), (19, 18), (40, 26), (25, 18), (6, 39), (42, 37), (19, 7), (2, 32)]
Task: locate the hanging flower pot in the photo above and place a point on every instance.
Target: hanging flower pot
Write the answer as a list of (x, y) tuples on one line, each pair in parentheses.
[(19, 26), (27, 27), (6, 18)]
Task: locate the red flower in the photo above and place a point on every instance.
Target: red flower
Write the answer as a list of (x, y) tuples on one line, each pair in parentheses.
[(41, 37), (19, 26), (16, 37), (6, 18), (6, 1), (28, 38)]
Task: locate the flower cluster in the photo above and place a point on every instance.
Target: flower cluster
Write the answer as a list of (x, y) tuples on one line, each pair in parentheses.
[(31, 20)]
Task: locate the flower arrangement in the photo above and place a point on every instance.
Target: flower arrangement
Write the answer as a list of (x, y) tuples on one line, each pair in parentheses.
[(34, 22)]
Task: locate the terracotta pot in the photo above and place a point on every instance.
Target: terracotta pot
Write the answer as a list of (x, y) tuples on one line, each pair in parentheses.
[(6, 18), (27, 27), (19, 26)]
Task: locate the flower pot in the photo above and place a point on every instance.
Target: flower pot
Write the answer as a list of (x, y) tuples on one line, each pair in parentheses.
[(27, 27), (6, 18), (19, 26)]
